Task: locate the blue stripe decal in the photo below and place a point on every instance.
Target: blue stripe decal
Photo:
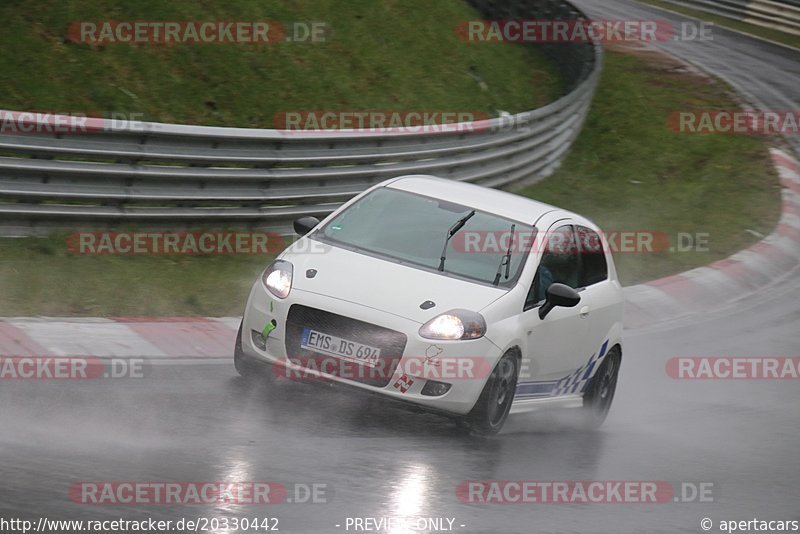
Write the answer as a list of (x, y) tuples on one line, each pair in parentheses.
[(573, 382), (585, 385), (588, 371), (536, 388)]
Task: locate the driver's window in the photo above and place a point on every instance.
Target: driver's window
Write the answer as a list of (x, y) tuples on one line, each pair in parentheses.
[(560, 263)]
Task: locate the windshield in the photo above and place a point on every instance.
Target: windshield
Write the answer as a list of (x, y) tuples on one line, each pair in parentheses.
[(412, 228)]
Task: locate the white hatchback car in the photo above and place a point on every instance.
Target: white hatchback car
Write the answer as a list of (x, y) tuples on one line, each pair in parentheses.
[(461, 299)]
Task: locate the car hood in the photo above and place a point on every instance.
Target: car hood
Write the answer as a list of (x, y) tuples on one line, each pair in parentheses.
[(383, 284)]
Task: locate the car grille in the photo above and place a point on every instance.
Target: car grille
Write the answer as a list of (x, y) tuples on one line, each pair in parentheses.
[(391, 342)]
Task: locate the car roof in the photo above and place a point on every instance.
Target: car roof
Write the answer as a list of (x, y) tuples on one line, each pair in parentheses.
[(501, 203)]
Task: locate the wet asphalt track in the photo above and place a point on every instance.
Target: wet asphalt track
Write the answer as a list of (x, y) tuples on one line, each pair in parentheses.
[(202, 423)]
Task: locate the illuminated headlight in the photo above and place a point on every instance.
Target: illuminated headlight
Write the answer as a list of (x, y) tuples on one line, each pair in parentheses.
[(278, 278), (455, 324)]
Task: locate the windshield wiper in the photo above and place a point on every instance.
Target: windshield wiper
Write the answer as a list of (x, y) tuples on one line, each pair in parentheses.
[(451, 232), (505, 261)]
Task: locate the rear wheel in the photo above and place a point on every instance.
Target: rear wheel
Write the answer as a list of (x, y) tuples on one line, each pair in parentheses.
[(600, 392), (494, 404)]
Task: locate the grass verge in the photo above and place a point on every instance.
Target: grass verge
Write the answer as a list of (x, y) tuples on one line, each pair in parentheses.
[(39, 276), (627, 171), (391, 56)]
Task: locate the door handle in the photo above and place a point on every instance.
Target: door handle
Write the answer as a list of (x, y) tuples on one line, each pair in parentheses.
[(584, 312)]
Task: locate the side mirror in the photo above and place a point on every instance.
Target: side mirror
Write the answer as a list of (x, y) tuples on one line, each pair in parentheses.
[(303, 225), (558, 295)]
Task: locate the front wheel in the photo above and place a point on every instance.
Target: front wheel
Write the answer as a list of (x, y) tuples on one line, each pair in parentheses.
[(600, 392), (494, 404), (242, 363)]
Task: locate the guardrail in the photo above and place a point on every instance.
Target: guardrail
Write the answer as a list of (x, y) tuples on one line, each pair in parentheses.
[(169, 173), (783, 15)]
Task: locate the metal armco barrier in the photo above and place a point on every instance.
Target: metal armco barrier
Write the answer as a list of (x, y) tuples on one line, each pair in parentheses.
[(783, 15), (168, 174)]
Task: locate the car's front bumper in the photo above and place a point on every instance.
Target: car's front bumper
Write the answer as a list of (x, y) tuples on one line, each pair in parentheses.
[(465, 365)]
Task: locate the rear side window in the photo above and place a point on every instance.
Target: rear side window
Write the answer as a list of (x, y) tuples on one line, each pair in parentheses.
[(593, 258)]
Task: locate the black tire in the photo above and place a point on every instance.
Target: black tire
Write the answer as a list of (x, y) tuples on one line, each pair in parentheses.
[(244, 365), (491, 410), (600, 392)]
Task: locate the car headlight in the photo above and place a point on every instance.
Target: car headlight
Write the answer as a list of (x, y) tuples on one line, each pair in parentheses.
[(455, 324), (278, 278)]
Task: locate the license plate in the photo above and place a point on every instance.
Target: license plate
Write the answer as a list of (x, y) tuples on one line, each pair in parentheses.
[(341, 348)]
